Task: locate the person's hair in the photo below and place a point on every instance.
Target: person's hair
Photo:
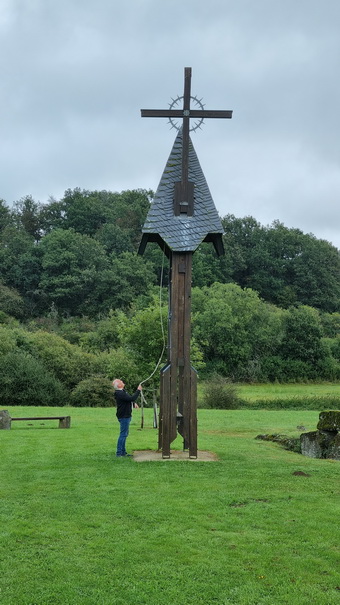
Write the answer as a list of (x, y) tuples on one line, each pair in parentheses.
[(117, 383)]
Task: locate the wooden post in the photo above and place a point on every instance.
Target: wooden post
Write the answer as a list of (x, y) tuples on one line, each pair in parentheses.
[(178, 379), (155, 421)]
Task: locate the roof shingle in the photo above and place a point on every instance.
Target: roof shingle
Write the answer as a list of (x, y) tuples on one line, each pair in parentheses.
[(182, 233)]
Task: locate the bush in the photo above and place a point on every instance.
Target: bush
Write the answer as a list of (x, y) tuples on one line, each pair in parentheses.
[(68, 362), (320, 403), (7, 340), (4, 318), (93, 392), (272, 369), (329, 369), (295, 370), (120, 364), (221, 394), (26, 381), (335, 347)]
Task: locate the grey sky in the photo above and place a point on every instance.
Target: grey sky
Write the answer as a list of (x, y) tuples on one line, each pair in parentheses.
[(75, 74)]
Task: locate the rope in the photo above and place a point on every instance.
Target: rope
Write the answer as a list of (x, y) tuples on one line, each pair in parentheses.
[(143, 400), (162, 327)]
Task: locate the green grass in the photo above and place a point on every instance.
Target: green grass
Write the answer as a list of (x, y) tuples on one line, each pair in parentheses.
[(274, 396), (253, 392), (80, 527)]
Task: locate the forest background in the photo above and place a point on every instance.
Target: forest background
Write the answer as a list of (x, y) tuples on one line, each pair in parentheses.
[(78, 306)]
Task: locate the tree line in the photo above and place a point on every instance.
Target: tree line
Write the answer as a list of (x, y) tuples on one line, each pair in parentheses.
[(71, 284)]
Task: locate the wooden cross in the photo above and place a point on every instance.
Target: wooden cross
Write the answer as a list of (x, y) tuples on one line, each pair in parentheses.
[(184, 190)]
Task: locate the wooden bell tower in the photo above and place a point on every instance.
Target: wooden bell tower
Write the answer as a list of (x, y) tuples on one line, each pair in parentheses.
[(181, 217)]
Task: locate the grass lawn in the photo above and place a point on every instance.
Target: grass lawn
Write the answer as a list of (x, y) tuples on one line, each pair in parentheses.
[(80, 527)]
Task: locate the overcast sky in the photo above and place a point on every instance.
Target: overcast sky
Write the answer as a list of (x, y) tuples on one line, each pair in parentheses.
[(75, 74)]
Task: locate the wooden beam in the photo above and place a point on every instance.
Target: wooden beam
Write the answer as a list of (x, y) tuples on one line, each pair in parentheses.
[(179, 113), (193, 415), (164, 434)]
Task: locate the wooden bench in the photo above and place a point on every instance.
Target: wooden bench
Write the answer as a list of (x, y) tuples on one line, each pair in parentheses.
[(64, 421)]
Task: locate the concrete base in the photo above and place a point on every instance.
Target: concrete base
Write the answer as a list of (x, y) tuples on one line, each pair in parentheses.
[(5, 420), (156, 456)]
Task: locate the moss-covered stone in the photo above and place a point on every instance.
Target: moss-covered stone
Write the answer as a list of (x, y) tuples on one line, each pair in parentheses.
[(323, 443), (310, 445), (329, 421), (289, 443), (334, 449), (317, 444)]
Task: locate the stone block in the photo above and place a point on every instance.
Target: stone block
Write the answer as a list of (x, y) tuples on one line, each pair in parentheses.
[(5, 419), (334, 448), (329, 421), (316, 444), (310, 445), (65, 423)]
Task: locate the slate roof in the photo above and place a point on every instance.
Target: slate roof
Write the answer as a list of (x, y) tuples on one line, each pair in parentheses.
[(182, 233)]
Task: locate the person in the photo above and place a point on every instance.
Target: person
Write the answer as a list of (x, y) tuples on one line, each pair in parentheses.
[(124, 403)]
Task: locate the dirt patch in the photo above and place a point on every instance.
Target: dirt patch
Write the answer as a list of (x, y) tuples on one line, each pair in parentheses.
[(156, 456), (244, 503)]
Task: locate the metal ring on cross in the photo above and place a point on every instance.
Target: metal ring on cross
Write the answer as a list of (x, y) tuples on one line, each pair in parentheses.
[(197, 105)]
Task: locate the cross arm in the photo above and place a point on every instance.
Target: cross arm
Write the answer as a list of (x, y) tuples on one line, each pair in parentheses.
[(180, 113), (206, 113)]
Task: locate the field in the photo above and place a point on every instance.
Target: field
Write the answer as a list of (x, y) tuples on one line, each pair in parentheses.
[(253, 392), (309, 396), (80, 527)]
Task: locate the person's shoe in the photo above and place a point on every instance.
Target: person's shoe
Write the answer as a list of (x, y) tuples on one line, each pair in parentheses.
[(128, 455)]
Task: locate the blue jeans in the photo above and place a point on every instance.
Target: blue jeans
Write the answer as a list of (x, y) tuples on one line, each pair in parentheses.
[(124, 431)]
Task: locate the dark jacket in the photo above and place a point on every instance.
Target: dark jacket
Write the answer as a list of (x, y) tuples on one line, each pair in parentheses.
[(124, 403)]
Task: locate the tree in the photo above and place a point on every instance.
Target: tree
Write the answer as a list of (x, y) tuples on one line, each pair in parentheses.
[(274, 277), (130, 209), (84, 211), (87, 212), (331, 324), (104, 336), (117, 286), (114, 239), (302, 347), (8, 341), (235, 329), (11, 302), (70, 265), (5, 215), (26, 213), (317, 275), (52, 215), (285, 266), (242, 240), (144, 335), (19, 260), (158, 259), (209, 268)]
